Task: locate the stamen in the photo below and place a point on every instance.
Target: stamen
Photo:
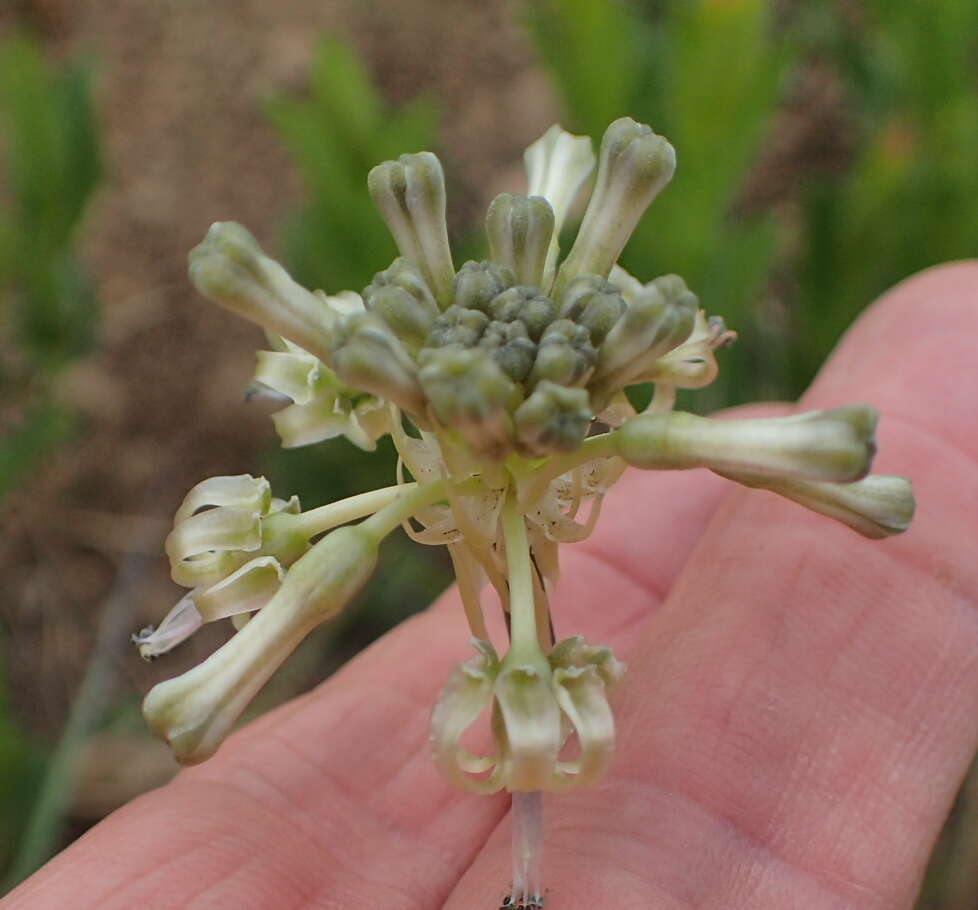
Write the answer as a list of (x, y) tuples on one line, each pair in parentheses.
[(177, 626)]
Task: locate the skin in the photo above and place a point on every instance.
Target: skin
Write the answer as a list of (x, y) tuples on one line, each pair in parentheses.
[(801, 707)]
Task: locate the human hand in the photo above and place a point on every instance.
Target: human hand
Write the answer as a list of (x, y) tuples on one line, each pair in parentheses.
[(800, 708)]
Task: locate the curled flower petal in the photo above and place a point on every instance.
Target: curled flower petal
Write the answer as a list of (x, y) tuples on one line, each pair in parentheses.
[(580, 692), (466, 695), (244, 591), (528, 726), (241, 491)]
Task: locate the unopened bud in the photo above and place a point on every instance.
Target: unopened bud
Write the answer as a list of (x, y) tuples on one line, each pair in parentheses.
[(229, 267), (404, 315), (595, 303), (835, 445), (634, 165), (403, 274), (456, 327), (520, 229), (659, 320), (373, 359), (535, 310), (565, 354), (477, 283), (511, 348), (553, 419), (468, 392), (410, 194)]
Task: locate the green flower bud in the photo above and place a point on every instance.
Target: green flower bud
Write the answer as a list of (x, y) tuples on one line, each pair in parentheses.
[(595, 303), (565, 355), (876, 506), (511, 348), (409, 319), (552, 419), (535, 310), (404, 275), (194, 712), (458, 327), (229, 267), (410, 194), (373, 359), (634, 165), (469, 393), (660, 319), (836, 445), (520, 229), (477, 283)]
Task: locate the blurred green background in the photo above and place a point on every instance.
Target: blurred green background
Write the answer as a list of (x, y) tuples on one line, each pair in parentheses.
[(826, 148)]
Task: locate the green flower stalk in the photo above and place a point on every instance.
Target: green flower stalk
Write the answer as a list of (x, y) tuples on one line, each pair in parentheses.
[(512, 373)]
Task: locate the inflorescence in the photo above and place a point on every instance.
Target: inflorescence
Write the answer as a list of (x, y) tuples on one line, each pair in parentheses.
[(502, 385)]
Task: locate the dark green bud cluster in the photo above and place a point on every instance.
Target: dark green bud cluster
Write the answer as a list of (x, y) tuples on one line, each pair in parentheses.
[(504, 364)]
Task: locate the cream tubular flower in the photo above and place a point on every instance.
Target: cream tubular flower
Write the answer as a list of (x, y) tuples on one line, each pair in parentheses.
[(557, 165), (195, 711), (634, 165), (536, 700), (230, 268), (410, 194), (877, 506), (836, 445)]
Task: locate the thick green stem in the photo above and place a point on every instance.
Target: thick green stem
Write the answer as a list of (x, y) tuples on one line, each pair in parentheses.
[(523, 627)]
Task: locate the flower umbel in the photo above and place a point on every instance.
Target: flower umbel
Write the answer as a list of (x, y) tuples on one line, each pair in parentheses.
[(501, 384)]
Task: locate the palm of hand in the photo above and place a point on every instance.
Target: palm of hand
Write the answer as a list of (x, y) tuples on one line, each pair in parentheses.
[(800, 708)]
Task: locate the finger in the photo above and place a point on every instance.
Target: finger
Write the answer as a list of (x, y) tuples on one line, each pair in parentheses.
[(335, 795), (799, 715)]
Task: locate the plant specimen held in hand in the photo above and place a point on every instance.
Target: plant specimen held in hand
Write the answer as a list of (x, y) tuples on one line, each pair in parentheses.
[(502, 384)]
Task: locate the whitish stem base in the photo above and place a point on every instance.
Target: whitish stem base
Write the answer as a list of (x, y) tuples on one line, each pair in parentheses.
[(527, 820)]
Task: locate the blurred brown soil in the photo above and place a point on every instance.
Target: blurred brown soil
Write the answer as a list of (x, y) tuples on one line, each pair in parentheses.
[(180, 92)]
